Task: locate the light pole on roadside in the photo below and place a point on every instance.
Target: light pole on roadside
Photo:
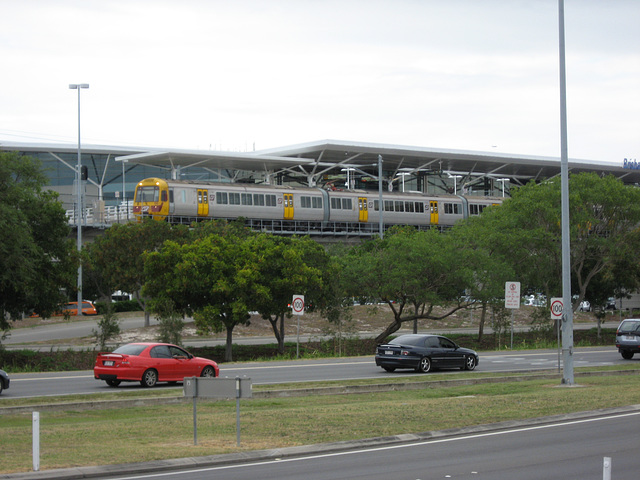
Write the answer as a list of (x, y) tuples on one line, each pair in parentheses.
[(79, 86)]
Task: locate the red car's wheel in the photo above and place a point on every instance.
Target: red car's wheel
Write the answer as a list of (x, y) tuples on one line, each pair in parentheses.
[(208, 371), (149, 378)]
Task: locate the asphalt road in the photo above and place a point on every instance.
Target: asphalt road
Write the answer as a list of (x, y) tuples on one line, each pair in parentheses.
[(265, 373), (569, 448)]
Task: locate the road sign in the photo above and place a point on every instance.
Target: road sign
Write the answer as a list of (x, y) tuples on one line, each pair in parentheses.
[(556, 308), (297, 305), (512, 295)]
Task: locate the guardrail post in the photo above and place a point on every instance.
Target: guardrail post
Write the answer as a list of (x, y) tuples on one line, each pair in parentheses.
[(36, 441), (606, 468)]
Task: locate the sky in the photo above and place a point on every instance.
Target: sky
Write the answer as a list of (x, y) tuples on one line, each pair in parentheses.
[(244, 75)]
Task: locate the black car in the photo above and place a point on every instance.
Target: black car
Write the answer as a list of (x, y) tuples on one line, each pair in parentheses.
[(423, 353), (4, 380)]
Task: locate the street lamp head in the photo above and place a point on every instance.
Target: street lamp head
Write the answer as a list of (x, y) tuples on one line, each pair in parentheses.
[(75, 86)]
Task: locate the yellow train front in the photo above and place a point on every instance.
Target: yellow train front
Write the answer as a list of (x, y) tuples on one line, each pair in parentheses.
[(151, 199)]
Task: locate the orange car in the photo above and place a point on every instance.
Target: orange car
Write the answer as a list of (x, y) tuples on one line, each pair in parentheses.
[(71, 308)]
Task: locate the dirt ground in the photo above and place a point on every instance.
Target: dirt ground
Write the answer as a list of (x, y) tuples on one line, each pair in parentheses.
[(366, 319)]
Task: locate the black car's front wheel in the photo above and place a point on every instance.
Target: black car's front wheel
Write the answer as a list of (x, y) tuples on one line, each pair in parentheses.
[(149, 378), (470, 363), (425, 365), (389, 369), (626, 354)]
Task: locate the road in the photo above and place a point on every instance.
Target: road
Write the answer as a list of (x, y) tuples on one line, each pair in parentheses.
[(567, 449), (266, 373)]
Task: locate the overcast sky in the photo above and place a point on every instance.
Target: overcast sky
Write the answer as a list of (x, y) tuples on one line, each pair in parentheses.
[(243, 74)]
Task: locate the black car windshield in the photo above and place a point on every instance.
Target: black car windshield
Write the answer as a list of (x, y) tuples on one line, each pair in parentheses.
[(130, 349), (630, 326), (417, 341)]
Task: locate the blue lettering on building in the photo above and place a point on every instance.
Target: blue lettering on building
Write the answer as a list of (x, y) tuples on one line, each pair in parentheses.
[(631, 164)]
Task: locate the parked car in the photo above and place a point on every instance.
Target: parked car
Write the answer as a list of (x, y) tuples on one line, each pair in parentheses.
[(628, 337), (149, 363), (423, 353), (4, 380), (71, 309)]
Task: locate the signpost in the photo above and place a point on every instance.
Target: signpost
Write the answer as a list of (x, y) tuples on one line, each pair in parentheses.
[(557, 308), (209, 387), (297, 308), (512, 300)]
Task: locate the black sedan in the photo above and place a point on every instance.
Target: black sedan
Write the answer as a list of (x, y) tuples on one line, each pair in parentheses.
[(4, 380), (423, 353)]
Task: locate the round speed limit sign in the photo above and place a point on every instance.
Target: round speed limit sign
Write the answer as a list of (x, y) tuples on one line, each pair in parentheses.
[(556, 308), (297, 305)]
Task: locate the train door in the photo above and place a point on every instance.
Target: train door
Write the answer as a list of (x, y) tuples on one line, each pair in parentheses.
[(203, 203), (363, 216), (433, 208), (288, 206)]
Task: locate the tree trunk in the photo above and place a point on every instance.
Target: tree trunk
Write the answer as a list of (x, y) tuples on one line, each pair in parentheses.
[(227, 350), (278, 332), (483, 317)]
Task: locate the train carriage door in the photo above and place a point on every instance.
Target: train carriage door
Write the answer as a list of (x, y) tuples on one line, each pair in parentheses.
[(203, 203), (288, 206), (433, 208), (363, 216)]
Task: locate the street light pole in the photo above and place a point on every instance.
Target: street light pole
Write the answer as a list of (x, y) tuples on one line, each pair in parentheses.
[(79, 86)]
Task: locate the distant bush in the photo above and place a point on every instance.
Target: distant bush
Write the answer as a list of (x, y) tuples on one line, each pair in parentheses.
[(121, 306)]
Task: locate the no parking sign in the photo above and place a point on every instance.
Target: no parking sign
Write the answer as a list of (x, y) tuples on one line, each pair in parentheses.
[(297, 305)]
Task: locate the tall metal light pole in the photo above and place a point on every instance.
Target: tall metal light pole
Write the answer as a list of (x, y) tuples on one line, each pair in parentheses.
[(567, 309), (79, 86), (380, 202)]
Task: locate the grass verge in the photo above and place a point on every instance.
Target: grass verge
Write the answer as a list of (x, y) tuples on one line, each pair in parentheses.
[(71, 437)]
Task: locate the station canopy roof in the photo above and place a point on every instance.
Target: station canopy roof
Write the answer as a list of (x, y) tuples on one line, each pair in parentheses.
[(332, 156)]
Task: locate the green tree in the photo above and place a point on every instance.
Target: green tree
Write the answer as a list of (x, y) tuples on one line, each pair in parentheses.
[(412, 272), (287, 266), (38, 264), (604, 216), (215, 279), (115, 260)]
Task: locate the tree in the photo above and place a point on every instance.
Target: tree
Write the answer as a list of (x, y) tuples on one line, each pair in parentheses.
[(215, 279), (38, 264), (287, 266), (115, 260), (412, 272), (604, 216)]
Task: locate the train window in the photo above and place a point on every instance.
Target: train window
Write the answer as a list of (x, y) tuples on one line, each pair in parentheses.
[(388, 205), (336, 204), (475, 209), (347, 204), (221, 198), (147, 194), (376, 205), (270, 200), (419, 207), (452, 208), (399, 206), (305, 202), (258, 199), (408, 207), (183, 194), (247, 199), (234, 198), (316, 202)]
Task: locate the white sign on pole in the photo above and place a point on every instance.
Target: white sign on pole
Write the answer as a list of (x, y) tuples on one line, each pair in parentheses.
[(512, 295), (297, 305), (556, 308)]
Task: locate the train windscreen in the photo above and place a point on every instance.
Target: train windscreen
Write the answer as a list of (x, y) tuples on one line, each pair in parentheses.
[(147, 194)]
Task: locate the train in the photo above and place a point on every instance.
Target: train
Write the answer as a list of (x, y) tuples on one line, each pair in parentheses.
[(183, 201)]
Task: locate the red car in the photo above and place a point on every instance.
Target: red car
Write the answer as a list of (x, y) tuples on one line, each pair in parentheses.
[(149, 363)]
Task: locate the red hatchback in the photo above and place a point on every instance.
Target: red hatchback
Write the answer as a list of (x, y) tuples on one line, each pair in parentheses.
[(149, 363)]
